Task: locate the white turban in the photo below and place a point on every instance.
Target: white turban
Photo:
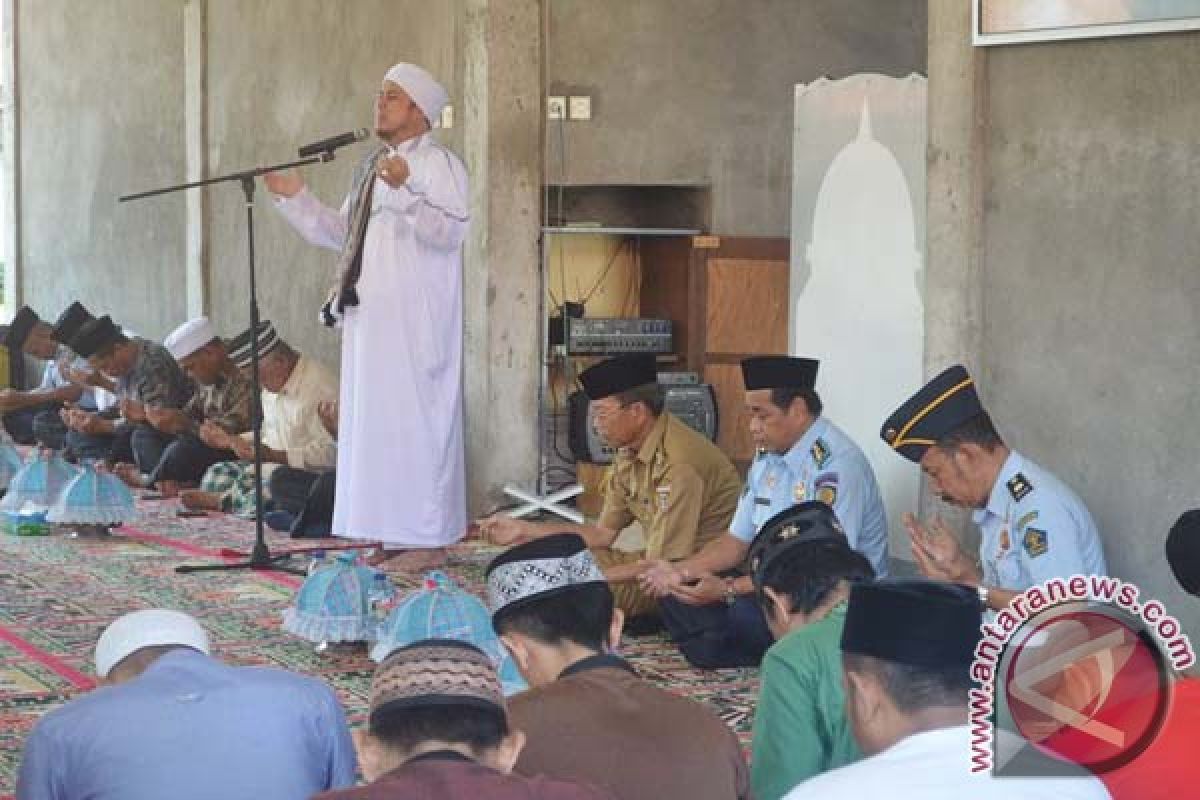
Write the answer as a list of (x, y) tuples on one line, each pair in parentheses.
[(153, 627), (423, 88), (190, 337)]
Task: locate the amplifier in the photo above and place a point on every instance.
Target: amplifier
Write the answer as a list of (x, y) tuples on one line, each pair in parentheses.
[(694, 404), (615, 335)]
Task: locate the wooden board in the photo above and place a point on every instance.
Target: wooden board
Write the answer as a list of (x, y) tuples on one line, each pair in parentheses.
[(666, 279), (593, 478), (734, 435), (747, 306)]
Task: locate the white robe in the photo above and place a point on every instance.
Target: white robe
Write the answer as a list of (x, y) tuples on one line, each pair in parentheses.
[(400, 438), (935, 765)]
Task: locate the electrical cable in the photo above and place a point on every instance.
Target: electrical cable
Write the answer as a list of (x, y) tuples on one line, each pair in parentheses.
[(604, 273)]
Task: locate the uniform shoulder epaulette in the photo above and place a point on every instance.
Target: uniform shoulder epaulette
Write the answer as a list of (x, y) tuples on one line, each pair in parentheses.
[(820, 452), (1019, 487)]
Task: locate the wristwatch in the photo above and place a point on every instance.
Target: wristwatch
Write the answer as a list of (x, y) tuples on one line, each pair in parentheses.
[(984, 593), (730, 592)]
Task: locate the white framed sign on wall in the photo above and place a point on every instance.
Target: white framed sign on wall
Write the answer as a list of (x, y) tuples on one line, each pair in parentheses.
[(1020, 21)]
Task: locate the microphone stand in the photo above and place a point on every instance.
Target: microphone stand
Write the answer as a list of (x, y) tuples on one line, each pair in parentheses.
[(260, 556)]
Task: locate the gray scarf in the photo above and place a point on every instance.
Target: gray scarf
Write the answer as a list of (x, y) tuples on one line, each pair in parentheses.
[(349, 268)]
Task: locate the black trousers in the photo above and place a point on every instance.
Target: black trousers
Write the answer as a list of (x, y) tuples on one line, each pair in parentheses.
[(718, 635), (20, 423), (146, 446), (113, 447), (315, 518), (289, 488), (49, 429), (184, 457)]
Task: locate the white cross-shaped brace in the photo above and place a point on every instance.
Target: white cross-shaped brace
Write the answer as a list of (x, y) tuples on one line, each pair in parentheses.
[(549, 503)]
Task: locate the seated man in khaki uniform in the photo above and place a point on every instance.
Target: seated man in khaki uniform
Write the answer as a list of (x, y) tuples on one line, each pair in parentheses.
[(666, 476)]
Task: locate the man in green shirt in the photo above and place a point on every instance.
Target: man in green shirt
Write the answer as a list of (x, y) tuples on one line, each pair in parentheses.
[(803, 567)]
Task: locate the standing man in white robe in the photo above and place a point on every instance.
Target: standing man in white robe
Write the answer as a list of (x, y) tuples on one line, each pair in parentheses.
[(399, 302)]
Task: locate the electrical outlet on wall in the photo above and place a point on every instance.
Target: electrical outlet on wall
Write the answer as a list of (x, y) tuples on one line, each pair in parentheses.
[(447, 120), (556, 107), (579, 107)]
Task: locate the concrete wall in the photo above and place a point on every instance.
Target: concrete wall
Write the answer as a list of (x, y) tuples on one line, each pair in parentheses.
[(95, 123), (1063, 210), (1091, 293), (107, 95), (273, 85), (700, 91), (684, 92)]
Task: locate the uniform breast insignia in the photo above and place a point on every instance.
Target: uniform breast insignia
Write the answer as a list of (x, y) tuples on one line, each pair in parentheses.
[(1005, 541), (1019, 487), (1035, 542), (800, 492), (1025, 520), (820, 453), (769, 480), (826, 487), (664, 498)]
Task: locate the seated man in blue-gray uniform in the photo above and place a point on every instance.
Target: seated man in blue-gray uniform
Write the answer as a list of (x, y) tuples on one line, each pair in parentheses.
[(33, 416), (707, 606), (1034, 527), (173, 722)]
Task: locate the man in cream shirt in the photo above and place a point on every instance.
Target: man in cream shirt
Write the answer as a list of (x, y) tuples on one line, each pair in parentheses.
[(297, 445)]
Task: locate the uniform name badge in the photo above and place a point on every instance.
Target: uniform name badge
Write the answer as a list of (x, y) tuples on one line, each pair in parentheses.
[(664, 498), (799, 492)]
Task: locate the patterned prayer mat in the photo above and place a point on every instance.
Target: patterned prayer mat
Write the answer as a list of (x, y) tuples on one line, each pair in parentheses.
[(58, 592)]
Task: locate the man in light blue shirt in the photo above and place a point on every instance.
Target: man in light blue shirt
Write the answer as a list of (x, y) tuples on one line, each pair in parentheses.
[(172, 722), (710, 610), (824, 465), (1034, 528), (32, 415), (37, 415)]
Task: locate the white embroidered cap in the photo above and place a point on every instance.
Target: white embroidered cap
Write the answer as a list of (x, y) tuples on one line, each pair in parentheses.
[(190, 337), (423, 88), (153, 627)]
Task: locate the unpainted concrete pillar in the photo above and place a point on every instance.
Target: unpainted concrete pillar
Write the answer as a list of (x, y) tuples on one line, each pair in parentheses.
[(195, 99), (502, 141), (957, 126)]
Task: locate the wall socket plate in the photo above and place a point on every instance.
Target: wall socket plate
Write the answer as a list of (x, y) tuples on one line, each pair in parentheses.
[(556, 107), (579, 107), (447, 120)]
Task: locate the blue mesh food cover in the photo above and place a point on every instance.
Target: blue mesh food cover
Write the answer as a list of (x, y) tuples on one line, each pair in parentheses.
[(332, 606), (93, 498), (441, 610), (37, 485), (10, 464)]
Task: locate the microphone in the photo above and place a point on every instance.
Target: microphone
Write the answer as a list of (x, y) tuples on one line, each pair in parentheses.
[(332, 143)]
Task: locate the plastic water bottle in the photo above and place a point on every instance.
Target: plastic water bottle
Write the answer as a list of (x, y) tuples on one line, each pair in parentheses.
[(379, 597), (318, 561)]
